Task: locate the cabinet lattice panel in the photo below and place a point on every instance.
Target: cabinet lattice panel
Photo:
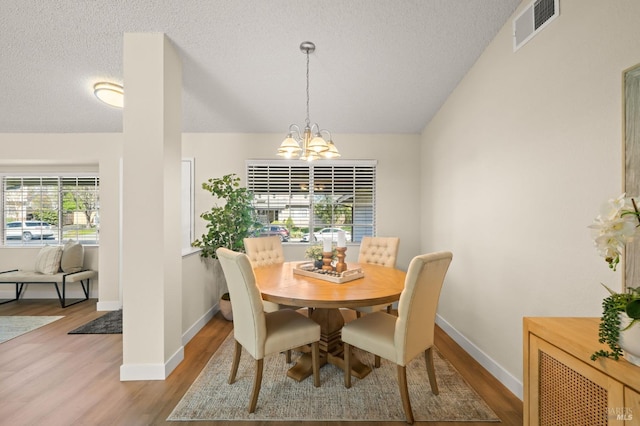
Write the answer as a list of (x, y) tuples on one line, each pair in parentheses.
[(567, 398)]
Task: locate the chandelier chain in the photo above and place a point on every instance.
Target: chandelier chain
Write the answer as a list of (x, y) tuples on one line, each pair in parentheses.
[(308, 121)]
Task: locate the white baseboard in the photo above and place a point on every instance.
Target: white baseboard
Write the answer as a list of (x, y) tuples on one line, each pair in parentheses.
[(109, 305), (495, 369), (174, 361), (197, 326), (134, 372)]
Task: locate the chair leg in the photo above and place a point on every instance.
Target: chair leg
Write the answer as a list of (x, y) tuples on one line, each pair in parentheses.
[(404, 393), (236, 362), (376, 361), (309, 312), (389, 309), (347, 365), (431, 372), (288, 356), (315, 362), (358, 314), (257, 382)]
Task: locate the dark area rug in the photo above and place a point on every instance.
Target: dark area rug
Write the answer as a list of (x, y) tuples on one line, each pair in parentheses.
[(110, 323)]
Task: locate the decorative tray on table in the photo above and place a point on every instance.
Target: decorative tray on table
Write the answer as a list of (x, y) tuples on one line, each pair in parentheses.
[(307, 269)]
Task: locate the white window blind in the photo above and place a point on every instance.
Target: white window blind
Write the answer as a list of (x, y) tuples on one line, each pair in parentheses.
[(312, 196), (40, 210)]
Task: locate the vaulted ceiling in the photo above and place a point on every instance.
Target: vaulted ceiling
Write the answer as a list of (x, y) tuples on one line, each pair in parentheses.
[(380, 66)]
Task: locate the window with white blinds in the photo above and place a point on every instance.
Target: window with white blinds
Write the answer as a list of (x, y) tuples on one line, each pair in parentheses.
[(315, 196), (39, 210)]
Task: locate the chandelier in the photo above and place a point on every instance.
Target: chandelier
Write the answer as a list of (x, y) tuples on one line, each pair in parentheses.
[(309, 144)]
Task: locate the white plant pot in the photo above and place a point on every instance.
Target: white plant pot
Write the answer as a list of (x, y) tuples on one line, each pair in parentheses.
[(629, 340)]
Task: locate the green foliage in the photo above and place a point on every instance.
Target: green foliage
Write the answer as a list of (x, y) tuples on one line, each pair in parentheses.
[(45, 215), (289, 224), (609, 328), (314, 252), (80, 199), (229, 224), (328, 212)]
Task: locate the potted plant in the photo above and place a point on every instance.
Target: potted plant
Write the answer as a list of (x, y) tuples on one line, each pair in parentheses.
[(227, 225), (616, 226), (620, 311), (225, 307), (314, 252)]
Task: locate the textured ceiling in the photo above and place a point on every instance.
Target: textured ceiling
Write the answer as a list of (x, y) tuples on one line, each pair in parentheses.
[(380, 66)]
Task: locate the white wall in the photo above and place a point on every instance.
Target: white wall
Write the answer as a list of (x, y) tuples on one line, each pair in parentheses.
[(100, 153), (515, 167), (151, 208), (398, 178), (201, 291), (398, 191)]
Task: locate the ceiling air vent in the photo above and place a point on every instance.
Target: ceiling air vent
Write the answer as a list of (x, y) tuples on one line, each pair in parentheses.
[(537, 15)]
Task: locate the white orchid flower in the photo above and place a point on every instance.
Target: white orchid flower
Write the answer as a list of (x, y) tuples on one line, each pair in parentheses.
[(615, 226)]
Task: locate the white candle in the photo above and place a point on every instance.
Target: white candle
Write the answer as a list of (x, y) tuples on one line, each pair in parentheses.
[(341, 239), (326, 245)]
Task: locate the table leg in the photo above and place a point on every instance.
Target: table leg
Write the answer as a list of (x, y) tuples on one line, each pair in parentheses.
[(331, 347)]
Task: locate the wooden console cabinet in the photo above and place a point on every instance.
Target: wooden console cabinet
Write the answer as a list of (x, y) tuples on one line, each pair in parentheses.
[(563, 387)]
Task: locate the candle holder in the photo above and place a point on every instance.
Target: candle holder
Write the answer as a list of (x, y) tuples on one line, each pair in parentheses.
[(327, 258), (341, 266)]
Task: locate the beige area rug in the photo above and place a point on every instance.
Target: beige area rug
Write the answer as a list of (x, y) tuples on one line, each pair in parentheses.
[(375, 398), (14, 326)]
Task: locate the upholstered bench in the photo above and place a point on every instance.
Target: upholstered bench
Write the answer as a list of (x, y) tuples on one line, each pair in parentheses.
[(57, 265)]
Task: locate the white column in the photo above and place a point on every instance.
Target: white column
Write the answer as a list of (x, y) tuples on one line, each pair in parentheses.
[(151, 237)]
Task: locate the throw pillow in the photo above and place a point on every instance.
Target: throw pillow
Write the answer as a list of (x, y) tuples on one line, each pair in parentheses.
[(72, 257), (48, 260)]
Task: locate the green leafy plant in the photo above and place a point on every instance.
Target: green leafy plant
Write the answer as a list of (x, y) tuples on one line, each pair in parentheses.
[(617, 224), (314, 252), (609, 328), (229, 224)]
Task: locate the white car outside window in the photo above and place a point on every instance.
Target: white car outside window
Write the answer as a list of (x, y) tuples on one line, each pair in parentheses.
[(333, 232), (28, 230)]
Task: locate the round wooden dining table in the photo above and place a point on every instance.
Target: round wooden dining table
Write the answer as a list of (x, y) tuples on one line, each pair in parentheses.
[(279, 284)]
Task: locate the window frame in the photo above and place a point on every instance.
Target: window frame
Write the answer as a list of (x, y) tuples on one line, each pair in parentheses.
[(59, 236), (187, 204), (337, 170)]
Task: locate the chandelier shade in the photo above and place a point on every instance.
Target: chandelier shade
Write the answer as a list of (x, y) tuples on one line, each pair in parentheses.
[(308, 144)]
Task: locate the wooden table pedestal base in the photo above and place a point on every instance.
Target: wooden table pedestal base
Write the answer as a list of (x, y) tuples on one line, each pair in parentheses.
[(331, 347)]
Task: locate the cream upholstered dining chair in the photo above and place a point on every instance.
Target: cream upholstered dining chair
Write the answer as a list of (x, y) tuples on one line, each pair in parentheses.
[(378, 251), (264, 251), (400, 339), (263, 333)]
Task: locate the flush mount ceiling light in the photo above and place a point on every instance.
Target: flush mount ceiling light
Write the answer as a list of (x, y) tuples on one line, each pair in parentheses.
[(109, 93), (308, 145)]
